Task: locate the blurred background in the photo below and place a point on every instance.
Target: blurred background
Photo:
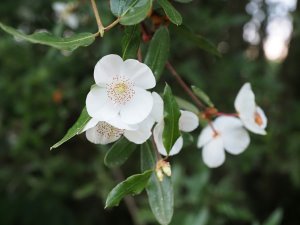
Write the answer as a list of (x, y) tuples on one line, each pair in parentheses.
[(43, 91)]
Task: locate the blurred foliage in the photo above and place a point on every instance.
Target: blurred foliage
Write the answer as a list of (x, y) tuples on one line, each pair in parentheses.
[(43, 91)]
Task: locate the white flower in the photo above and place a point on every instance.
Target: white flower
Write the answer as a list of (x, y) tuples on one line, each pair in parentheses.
[(120, 92), (252, 116), (100, 132), (228, 135), (63, 12), (188, 122)]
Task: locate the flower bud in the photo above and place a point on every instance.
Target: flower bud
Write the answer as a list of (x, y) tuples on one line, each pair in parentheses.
[(166, 168), (159, 175)]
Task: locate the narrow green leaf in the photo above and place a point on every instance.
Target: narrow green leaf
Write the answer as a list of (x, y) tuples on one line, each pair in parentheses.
[(158, 51), (171, 119), (171, 12), (275, 218), (183, 1), (130, 11), (119, 153), (184, 104), (130, 42), (133, 185), (160, 194), (75, 129), (198, 40), (45, 38), (203, 96)]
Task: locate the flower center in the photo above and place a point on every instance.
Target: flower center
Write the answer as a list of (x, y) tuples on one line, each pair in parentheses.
[(120, 90), (257, 118), (108, 131)]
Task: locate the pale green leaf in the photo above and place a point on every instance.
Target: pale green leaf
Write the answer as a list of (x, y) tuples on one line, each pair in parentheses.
[(160, 194), (119, 152), (45, 38), (203, 96), (133, 185), (75, 129)]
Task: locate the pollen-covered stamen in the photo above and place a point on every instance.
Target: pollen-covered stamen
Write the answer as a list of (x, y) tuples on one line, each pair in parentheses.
[(108, 131), (258, 119), (120, 90)]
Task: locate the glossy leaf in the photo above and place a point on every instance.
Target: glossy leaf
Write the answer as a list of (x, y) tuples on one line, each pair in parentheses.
[(160, 194), (171, 12), (158, 51), (203, 96), (133, 185), (171, 119), (130, 42), (75, 129), (45, 38), (198, 40), (130, 12), (119, 152)]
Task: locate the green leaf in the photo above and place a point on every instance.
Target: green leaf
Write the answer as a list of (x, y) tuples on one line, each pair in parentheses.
[(45, 38), (130, 42), (203, 96), (160, 194), (184, 104), (119, 153), (133, 185), (158, 51), (75, 129), (171, 12), (171, 119), (130, 12), (183, 1), (275, 218), (198, 40)]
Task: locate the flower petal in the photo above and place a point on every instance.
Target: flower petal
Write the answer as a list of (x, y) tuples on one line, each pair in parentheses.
[(106, 68), (92, 123), (143, 132), (205, 136), (188, 121), (157, 135), (176, 147), (138, 72), (245, 100), (118, 123), (263, 117), (158, 107), (138, 108), (72, 21), (213, 153), (98, 105), (97, 135), (224, 123), (236, 140)]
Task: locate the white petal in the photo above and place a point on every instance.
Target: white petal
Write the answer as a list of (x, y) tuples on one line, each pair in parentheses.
[(236, 140), (253, 127), (118, 123), (142, 134), (213, 153), (96, 137), (158, 107), (92, 122), (138, 72), (263, 117), (72, 21), (205, 136), (59, 7), (99, 106), (177, 146), (157, 135), (188, 121), (138, 108), (245, 101), (107, 67)]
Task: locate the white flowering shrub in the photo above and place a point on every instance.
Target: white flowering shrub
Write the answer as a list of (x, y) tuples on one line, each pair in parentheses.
[(125, 110)]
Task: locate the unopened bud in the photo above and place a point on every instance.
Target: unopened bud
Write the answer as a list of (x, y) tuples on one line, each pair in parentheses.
[(159, 175), (166, 168)]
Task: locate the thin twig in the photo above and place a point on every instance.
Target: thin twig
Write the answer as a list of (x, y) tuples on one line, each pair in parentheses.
[(112, 24), (184, 86), (129, 201), (98, 19)]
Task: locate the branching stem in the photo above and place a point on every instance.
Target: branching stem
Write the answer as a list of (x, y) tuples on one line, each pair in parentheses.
[(98, 18)]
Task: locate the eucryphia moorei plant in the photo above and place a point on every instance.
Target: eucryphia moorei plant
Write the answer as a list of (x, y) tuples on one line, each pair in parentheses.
[(124, 110)]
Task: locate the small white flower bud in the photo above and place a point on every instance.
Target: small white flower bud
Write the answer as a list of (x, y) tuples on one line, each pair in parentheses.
[(159, 175)]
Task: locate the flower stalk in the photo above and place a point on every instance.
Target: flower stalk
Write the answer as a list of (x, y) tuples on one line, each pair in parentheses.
[(101, 28)]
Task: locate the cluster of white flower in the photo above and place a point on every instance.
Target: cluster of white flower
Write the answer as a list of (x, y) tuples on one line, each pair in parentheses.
[(121, 105)]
